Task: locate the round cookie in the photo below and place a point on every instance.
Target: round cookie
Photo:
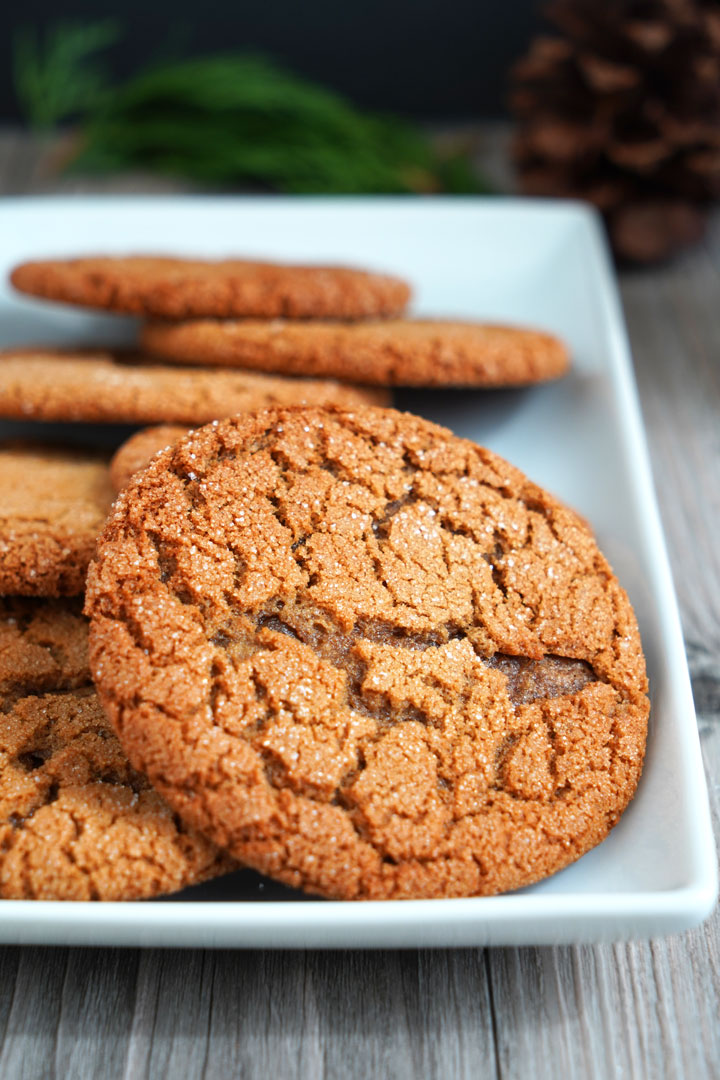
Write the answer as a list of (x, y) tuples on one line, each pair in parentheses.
[(115, 387), (174, 288), (386, 353), (137, 451), (76, 821), (53, 503), (368, 658), (43, 646)]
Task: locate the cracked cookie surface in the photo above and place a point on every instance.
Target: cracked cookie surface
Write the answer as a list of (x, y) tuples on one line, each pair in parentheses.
[(173, 288), (390, 352), (77, 822), (99, 386), (368, 658), (53, 502), (43, 646)]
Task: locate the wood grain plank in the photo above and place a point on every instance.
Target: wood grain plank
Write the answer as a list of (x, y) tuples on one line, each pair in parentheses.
[(398, 1015), (169, 1032), (28, 1048), (456, 1023), (96, 1010), (263, 1020), (403, 1014), (9, 964)]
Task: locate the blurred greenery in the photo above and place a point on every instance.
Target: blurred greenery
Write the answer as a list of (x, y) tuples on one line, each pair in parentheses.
[(226, 119), (54, 74)]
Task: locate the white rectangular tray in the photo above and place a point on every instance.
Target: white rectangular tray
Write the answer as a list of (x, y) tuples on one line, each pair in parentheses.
[(582, 437)]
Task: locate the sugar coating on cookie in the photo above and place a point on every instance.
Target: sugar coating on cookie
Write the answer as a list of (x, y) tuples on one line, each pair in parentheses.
[(175, 288), (137, 451), (77, 822), (391, 352), (368, 658), (100, 386), (43, 646), (53, 503)]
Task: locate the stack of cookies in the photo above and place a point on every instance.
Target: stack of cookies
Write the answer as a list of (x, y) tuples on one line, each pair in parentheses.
[(327, 640)]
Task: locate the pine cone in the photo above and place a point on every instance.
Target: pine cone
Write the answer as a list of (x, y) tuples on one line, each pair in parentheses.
[(623, 110)]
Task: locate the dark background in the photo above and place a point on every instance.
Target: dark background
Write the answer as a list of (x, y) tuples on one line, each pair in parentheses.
[(431, 59)]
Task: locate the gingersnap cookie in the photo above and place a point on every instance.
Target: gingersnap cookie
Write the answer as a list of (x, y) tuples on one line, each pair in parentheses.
[(43, 646), (174, 288), (53, 503), (77, 822), (387, 353), (137, 451), (116, 387), (367, 657)]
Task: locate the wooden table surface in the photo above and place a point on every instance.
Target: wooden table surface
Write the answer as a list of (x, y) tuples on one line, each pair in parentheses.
[(646, 1009)]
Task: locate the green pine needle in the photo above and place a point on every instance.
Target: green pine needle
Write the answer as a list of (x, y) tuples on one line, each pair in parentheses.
[(230, 120), (54, 78)]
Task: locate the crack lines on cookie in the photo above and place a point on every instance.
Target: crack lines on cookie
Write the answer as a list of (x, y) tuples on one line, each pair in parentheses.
[(51, 795), (532, 680), (381, 525), (492, 558), (168, 568), (187, 477), (33, 759), (273, 622), (528, 679)]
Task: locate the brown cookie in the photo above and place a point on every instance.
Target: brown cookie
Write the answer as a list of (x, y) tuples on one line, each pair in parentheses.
[(390, 353), (116, 387), (52, 505), (137, 451), (43, 646), (76, 821), (172, 288), (367, 657)]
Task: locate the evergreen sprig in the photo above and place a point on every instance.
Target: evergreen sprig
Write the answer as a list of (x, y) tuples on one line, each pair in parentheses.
[(234, 119), (55, 77)]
